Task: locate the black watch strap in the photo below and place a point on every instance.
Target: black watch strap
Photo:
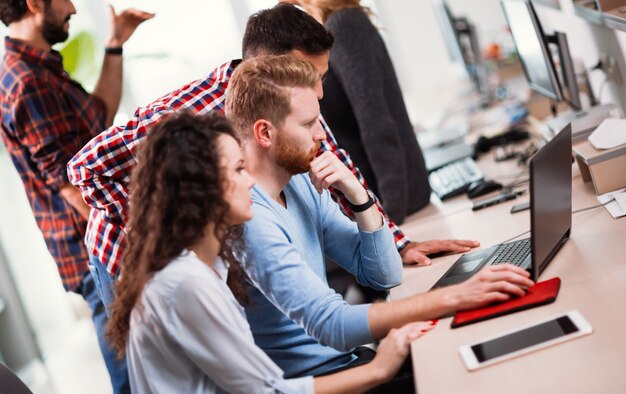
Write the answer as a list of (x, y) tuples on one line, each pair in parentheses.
[(114, 51), (361, 207)]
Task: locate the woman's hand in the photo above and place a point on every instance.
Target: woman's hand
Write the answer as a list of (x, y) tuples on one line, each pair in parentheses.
[(394, 349)]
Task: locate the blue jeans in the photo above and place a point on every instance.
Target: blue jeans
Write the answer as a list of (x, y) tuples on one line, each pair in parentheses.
[(91, 291)]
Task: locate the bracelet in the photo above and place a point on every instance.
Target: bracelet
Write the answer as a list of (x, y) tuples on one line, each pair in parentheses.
[(362, 207), (113, 50)]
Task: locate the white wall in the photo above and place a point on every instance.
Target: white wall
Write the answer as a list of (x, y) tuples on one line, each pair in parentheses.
[(424, 69)]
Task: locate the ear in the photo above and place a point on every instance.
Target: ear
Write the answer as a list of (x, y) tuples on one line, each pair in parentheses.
[(35, 6), (263, 131)]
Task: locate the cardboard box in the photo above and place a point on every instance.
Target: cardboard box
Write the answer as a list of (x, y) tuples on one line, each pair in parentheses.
[(606, 167)]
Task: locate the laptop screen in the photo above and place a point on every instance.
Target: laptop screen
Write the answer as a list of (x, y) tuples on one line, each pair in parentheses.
[(551, 198)]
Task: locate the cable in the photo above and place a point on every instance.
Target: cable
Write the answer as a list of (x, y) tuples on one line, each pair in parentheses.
[(576, 211), (516, 179), (593, 207)]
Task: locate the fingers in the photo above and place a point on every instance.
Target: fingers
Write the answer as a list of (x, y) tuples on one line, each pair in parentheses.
[(513, 275), (506, 287), (415, 330), (452, 246), (466, 242), (417, 258), (317, 165), (496, 296), (411, 254), (508, 277), (327, 170), (509, 267), (438, 246), (492, 284), (138, 14)]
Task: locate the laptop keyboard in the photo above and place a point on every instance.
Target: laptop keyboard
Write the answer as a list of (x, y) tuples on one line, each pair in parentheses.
[(514, 252)]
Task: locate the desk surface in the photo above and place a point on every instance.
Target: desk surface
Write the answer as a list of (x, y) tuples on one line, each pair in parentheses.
[(592, 267)]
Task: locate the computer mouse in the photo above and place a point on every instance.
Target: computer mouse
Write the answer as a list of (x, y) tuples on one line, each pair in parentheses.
[(479, 188)]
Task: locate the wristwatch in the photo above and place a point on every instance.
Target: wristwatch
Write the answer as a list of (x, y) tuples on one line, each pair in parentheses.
[(364, 206)]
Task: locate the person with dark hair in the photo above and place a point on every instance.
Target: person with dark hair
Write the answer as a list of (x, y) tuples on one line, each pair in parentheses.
[(303, 325), (283, 30), (46, 118), (176, 314), (364, 106)]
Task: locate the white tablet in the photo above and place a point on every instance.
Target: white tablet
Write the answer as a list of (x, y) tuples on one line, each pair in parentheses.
[(524, 340)]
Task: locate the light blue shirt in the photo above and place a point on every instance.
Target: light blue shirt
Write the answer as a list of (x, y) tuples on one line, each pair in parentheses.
[(302, 324), (190, 336)]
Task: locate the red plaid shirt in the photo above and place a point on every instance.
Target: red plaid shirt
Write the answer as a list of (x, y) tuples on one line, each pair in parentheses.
[(101, 170), (46, 118)]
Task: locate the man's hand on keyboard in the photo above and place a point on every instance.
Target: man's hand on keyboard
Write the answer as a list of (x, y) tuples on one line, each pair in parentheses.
[(417, 252), (495, 283)]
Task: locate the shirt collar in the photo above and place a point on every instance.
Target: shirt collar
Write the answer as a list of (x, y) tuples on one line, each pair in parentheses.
[(52, 59)]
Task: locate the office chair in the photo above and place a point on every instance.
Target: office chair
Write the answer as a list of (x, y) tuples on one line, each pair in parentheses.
[(10, 383)]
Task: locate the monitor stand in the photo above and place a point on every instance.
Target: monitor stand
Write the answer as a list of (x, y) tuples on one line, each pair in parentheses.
[(583, 122)]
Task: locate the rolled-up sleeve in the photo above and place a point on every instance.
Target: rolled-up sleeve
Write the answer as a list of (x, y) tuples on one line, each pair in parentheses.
[(371, 256), (45, 124)]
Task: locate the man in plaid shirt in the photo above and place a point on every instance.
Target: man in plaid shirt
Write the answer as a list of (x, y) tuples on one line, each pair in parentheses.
[(101, 170), (46, 118)]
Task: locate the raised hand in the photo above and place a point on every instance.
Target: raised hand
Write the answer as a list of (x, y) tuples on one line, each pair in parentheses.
[(124, 24), (327, 170)]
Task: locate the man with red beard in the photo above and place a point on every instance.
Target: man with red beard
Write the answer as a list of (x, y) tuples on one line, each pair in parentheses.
[(46, 118), (303, 325)]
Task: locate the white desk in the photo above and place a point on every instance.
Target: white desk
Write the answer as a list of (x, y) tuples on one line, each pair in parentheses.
[(592, 266)]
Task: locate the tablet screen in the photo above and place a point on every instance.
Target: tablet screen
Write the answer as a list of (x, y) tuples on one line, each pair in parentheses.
[(525, 338)]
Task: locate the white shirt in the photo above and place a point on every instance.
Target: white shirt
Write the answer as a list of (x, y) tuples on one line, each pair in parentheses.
[(188, 334)]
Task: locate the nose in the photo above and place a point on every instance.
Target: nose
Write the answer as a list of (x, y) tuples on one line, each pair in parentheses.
[(251, 181), (72, 9), (319, 134), (319, 89)]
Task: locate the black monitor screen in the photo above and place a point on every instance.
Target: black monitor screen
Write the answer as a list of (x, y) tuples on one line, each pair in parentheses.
[(532, 47), (551, 198)]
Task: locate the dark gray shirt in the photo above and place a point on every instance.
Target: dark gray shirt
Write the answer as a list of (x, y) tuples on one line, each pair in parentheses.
[(364, 107)]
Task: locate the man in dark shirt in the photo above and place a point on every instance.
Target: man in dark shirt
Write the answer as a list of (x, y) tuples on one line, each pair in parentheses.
[(46, 118)]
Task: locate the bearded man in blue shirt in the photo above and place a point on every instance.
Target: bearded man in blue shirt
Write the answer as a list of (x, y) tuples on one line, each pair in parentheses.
[(302, 324)]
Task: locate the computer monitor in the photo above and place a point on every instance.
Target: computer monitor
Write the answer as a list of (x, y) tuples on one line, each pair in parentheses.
[(533, 50), (462, 43)]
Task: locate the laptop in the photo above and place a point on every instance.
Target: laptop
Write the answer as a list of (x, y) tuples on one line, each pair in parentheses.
[(550, 217)]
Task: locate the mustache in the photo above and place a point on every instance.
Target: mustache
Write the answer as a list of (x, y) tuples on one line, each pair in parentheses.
[(316, 150)]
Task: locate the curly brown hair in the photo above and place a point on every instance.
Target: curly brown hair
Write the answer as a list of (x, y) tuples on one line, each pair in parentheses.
[(176, 191)]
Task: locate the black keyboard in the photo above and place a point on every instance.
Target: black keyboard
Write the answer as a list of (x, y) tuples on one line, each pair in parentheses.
[(454, 178), (513, 252)]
